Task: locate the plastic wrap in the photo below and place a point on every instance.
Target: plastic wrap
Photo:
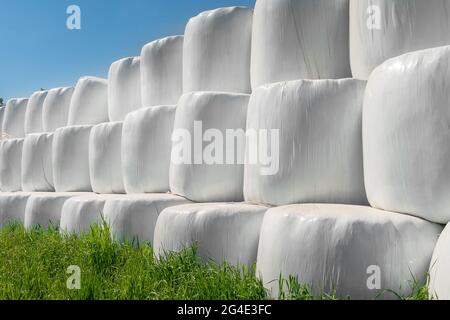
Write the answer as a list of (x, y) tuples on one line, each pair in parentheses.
[(203, 166), (33, 115), (12, 207), (55, 112), (223, 232), (37, 166), (309, 146), (358, 251), (79, 214), (2, 115), (10, 165), (162, 71), (406, 134), (105, 161), (383, 29), (146, 149), (300, 39), (14, 118), (44, 209), (71, 159), (216, 53), (439, 281), (133, 218), (89, 104), (124, 88)]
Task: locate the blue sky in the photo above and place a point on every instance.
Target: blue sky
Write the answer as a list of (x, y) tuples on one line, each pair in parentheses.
[(38, 51)]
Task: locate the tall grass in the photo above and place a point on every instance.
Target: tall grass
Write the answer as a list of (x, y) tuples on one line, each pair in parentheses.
[(33, 265)]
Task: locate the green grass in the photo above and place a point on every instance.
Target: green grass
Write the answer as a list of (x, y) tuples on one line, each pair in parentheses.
[(33, 266)]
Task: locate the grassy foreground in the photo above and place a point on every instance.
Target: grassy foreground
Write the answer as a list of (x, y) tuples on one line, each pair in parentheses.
[(33, 265)]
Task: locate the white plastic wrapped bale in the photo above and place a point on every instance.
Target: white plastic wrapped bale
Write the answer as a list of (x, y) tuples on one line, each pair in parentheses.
[(287, 44), (162, 71), (12, 207), (105, 162), (2, 115), (216, 52), (44, 209), (79, 214), (55, 112), (124, 88), (223, 232), (133, 218), (10, 165), (439, 281), (89, 103), (70, 159), (14, 118), (33, 114), (37, 166), (304, 143), (383, 29), (208, 149), (146, 149), (406, 135), (357, 251)]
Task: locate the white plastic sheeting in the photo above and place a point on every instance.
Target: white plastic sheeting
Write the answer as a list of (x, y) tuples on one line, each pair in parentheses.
[(223, 232), (162, 71), (124, 88), (12, 207), (2, 115), (216, 53), (89, 104), (105, 162), (44, 209), (71, 159), (14, 118), (300, 39), (439, 282), (10, 165), (406, 134), (133, 218), (37, 166), (357, 251), (33, 114), (55, 113), (311, 130), (383, 29), (146, 149), (79, 214), (204, 167)]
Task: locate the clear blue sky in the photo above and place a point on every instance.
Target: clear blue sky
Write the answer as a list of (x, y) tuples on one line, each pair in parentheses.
[(37, 50)]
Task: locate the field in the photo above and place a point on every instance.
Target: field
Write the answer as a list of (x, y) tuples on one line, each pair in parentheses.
[(34, 265)]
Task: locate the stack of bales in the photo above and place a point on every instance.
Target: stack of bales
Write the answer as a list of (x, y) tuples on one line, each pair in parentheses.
[(71, 113), (131, 154), (338, 246), (102, 146), (216, 85), (334, 243), (341, 173), (12, 202)]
